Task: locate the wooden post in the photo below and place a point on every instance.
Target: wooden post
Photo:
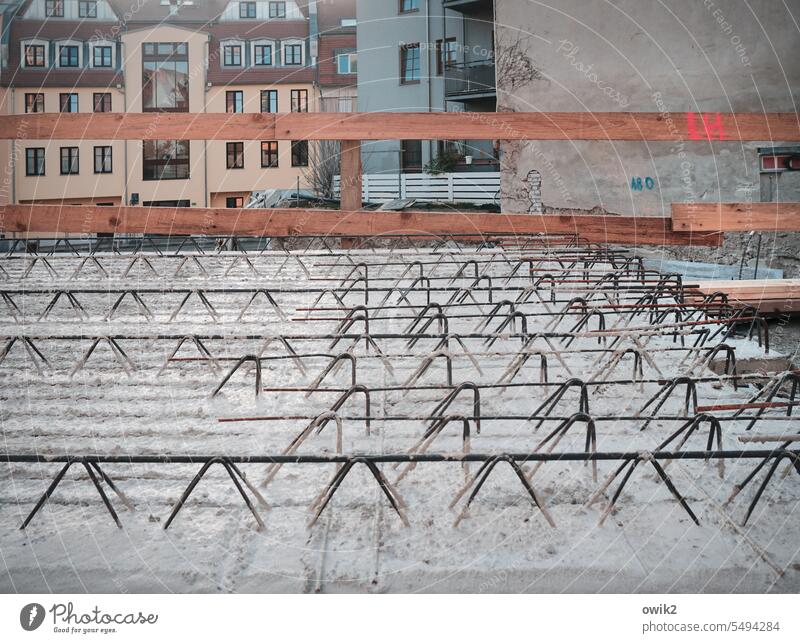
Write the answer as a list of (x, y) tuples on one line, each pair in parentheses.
[(350, 185), (350, 182)]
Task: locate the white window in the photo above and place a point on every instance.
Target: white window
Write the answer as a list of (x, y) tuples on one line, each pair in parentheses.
[(102, 54), (348, 22), (262, 53), (35, 54), (232, 53), (69, 54), (293, 52), (347, 63)]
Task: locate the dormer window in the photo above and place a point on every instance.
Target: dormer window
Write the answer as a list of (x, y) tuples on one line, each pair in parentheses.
[(87, 9), (262, 53), (277, 9), (102, 55), (247, 10), (232, 54), (69, 55), (54, 8), (293, 53), (34, 54)]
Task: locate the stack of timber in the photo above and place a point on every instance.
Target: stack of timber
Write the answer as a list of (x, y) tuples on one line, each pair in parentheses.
[(768, 296)]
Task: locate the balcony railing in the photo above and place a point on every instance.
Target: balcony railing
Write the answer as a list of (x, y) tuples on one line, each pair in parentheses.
[(470, 79)]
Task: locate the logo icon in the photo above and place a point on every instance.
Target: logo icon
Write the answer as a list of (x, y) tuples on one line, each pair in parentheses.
[(31, 616)]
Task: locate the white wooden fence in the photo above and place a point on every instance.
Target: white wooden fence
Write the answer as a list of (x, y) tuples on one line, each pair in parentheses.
[(463, 187)]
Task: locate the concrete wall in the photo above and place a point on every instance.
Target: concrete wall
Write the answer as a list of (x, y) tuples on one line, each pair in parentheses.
[(677, 56)]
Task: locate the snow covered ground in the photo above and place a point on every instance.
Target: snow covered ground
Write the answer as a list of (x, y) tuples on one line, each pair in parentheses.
[(649, 544)]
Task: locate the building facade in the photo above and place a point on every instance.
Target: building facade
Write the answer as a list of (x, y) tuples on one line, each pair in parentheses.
[(426, 56), (161, 57)]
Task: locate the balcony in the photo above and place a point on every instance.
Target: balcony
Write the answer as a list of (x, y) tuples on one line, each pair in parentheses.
[(470, 81), (469, 6)]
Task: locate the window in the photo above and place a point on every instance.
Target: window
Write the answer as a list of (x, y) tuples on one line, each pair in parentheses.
[(102, 102), (68, 103), (34, 103), (277, 9), (446, 51), (102, 56), (234, 153), (34, 161), (232, 55), (348, 22), (165, 77), (409, 64), (247, 9), (35, 56), (269, 100), (54, 8), (234, 102), (87, 9), (293, 54), (69, 56), (347, 63), (299, 153), (299, 100), (103, 159), (411, 157), (165, 160), (69, 160), (262, 54), (409, 5), (234, 201), (269, 154)]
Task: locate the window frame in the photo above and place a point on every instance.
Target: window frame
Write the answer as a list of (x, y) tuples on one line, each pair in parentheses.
[(234, 155), (234, 97), (69, 44), (174, 57), (238, 202), (73, 158), (441, 48), (273, 154), (164, 163), (38, 45), (413, 6), (69, 96), (276, 4), (298, 96), (270, 93), (405, 48), (231, 46), (103, 157), (255, 45), (53, 8), (85, 4), (99, 47), (249, 5), (38, 100), (299, 153), (349, 56), (39, 157), (286, 45), (104, 98)]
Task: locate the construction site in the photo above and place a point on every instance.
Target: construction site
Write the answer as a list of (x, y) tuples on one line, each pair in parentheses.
[(294, 400)]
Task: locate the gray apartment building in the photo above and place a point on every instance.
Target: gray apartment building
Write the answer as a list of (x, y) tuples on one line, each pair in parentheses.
[(426, 56)]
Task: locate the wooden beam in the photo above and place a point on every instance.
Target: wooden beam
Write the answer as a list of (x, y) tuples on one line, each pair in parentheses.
[(565, 126), (350, 173), (298, 222), (736, 217), (766, 295)]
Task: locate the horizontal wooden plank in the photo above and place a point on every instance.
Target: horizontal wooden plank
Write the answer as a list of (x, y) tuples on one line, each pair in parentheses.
[(766, 295), (736, 217), (570, 126), (298, 222)]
